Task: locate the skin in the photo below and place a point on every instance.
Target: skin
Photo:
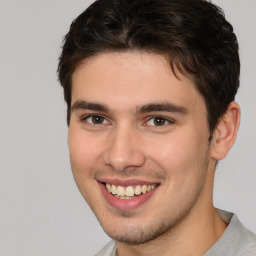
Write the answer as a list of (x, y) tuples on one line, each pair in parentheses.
[(124, 143)]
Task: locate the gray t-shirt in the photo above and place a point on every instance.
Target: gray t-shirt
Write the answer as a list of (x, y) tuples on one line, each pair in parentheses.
[(235, 241)]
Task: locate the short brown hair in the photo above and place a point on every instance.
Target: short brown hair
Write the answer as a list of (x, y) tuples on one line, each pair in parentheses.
[(193, 34)]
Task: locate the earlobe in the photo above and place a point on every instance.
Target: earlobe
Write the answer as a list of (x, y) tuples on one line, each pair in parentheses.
[(225, 132)]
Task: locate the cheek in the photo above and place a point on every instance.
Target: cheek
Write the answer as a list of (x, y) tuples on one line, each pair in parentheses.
[(177, 151), (182, 158), (84, 155), (84, 150), (185, 170)]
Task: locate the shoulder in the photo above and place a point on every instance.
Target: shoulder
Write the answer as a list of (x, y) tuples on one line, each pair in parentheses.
[(245, 240), (247, 244), (108, 250), (236, 240)]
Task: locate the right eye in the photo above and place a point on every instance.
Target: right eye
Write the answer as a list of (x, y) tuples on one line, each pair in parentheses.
[(95, 119)]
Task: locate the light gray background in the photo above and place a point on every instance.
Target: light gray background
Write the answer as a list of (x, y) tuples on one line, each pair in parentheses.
[(41, 210)]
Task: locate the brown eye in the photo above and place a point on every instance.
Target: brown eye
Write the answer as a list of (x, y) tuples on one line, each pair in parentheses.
[(95, 119), (159, 121)]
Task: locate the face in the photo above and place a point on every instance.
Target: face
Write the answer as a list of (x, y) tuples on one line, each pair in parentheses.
[(138, 141)]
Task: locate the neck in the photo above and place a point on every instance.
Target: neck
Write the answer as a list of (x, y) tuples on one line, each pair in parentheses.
[(192, 236), (196, 240)]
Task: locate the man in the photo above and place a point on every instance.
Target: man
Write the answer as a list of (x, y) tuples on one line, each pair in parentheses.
[(150, 88)]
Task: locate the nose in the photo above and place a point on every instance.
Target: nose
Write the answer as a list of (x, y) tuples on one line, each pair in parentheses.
[(124, 149)]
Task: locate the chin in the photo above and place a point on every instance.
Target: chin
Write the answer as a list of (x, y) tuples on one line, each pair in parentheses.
[(135, 233)]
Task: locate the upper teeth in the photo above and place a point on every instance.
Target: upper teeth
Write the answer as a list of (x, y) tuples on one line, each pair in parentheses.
[(129, 191)]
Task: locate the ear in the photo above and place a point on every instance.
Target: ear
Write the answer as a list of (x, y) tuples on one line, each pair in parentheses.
[(225, 132)]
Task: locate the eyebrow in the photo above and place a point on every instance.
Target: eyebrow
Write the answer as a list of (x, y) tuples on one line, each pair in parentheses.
[(151, 107), (164, 107), (83, 105)]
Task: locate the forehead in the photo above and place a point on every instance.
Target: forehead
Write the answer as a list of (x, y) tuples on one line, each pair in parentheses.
[(127, 79)]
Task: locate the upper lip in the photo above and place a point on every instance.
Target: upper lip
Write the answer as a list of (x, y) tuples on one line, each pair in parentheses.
[(127, 182)]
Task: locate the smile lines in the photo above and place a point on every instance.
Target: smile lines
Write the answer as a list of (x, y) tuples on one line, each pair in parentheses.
[(128, 192)]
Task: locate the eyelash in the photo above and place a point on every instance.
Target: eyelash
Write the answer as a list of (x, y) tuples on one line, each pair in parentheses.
[(163, 120)]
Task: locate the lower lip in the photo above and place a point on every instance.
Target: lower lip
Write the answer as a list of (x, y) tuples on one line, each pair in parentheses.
[(126, 204)]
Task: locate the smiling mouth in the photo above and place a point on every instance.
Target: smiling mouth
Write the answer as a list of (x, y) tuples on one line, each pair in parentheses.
[(129, 192)]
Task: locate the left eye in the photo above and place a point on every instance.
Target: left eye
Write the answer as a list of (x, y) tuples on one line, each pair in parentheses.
[(95, 119), (158, 121)]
